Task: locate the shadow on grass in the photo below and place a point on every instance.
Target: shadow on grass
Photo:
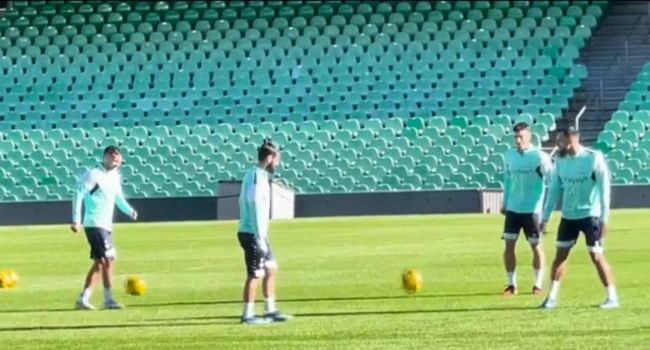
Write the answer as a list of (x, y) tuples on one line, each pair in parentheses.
[(365, 313), (311, 300), (16, 311), (294, 300), (231, 320)]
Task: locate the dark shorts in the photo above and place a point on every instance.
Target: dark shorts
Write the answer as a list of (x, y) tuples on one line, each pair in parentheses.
[(256, 259), (569, 231), (101, 243), (528, 222)]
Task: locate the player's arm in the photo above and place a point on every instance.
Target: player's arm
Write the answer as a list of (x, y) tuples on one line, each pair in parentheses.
[(261, 210), (506, 185), (84, 186), (601, 172), (254, 197), (554, 191), (122, 203), (546, 167)]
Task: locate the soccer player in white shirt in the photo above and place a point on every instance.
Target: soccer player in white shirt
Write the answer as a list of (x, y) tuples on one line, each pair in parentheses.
[(526, 171), (254, 215), (99, 190), (581, 181)]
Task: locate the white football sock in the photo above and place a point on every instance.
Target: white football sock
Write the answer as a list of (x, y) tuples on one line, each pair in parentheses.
[(555, 289), (270, 305), (539, 277), (108, 295), (512, 278), (611, 293), (249, 310), (85, 294)]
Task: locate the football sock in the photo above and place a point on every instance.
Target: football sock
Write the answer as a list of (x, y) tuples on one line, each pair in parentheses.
[(539, 276), (270, 305), (512, 278), (108, 295), (611, 293), (555, 288), (249, 310), (85, 294)]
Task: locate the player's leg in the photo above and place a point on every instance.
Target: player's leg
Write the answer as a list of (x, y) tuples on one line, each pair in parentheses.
[(596, 253), (566, 238), (250, 290), (538, 267), (268, 288), (534, 237), (558, 269), (254, 271), (91, 278), (510, 262), (511, 229), (107, 263), (268, 285), (95, 242)]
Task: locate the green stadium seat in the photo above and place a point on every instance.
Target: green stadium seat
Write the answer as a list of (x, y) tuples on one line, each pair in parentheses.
[(330, 41)]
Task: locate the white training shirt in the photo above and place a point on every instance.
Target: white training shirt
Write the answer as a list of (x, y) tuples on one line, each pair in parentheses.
[(99, 190)]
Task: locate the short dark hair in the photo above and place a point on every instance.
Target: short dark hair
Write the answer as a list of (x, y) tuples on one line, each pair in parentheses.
[(570, 131), (266, 149), (520, 126), (111, 149)]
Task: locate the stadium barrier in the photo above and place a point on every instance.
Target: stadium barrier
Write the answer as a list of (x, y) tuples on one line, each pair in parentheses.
[(306, 205)]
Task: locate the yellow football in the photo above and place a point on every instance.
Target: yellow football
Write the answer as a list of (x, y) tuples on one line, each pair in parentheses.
[(411, 281), (135, 285), (8, 279)]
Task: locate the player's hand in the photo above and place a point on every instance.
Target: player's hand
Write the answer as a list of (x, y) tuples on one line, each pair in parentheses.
[(263, 246), (134, 215), (542, 227), (603, 229), (75, 228)]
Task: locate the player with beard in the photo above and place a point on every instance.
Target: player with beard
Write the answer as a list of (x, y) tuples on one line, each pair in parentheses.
[(581, 181), (254, 215)]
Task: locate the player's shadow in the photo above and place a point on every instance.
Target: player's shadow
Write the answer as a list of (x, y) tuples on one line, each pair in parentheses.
[(16, 311), (227, 320), (365, 313), (311, 300), (290, 300)]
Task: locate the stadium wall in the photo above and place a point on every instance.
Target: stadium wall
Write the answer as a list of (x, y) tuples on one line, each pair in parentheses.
[(307, 205)]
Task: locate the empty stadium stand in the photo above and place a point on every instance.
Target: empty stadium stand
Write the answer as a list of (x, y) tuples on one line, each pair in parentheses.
[(362, 96), (614, 57), (625, 139)]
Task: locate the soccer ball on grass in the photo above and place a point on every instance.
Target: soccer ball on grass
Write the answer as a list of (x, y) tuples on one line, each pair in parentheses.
[(8, 279), (411, 281), (135, 286)]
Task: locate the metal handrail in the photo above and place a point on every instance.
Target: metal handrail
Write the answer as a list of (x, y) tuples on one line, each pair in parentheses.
[(578, 116)]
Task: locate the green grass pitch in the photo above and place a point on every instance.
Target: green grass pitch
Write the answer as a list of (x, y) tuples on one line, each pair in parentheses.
[(340, 277)]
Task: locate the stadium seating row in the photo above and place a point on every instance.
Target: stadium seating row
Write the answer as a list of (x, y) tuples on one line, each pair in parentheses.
[(361, 95), (348, 155), (625, 139)]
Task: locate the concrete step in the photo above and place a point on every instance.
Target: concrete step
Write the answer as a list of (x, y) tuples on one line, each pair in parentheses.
[(608, 85), (633, 24), (589, 137), (614, 56), (631, 9), (605, 42), (606, 59), (611, 77), (612, 84), (633, 32)]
